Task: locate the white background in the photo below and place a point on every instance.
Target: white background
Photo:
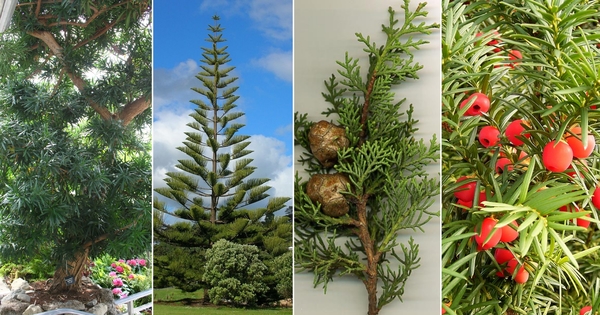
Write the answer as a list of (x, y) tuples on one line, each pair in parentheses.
[(323, 32)]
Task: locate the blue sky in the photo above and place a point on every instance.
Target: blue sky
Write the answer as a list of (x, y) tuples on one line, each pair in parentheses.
[(259, 37)]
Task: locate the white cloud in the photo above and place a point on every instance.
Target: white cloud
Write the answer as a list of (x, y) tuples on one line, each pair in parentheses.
[(271, 162), (284, 130), (272, 17), (169, 127), (174, 85), (279, 63)]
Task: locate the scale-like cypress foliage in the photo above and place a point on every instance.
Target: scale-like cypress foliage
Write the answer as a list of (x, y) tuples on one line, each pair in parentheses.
[(367, 178)]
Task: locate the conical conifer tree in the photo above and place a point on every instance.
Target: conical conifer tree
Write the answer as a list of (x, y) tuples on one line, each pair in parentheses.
[(214, 195)]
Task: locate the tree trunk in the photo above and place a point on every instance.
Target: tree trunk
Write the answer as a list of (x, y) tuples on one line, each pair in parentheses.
[(205, 299), (73, 268)]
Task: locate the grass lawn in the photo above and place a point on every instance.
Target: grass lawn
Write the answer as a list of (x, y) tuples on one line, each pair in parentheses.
[(172, 294), (179, 297), (159, 309)]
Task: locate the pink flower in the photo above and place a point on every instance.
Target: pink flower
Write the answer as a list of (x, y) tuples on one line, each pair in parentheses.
[(121, 260), (141, 262), (113, 265), (112, 274), (117, 282), (124, 294), (117, 291), (119, 269), (132, 262), (131, 276)]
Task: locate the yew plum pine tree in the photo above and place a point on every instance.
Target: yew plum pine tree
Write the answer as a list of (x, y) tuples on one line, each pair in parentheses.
[(519, 220), (367, 178), (75, 166), (213, 195)]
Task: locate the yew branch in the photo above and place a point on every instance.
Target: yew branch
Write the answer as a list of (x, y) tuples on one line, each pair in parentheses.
[(132, 109), (92, 18), (38, 8), (99, 33), (104, 236), (127, 113)]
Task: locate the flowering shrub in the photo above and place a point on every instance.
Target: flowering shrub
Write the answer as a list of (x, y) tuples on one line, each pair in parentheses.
[(124, 277)]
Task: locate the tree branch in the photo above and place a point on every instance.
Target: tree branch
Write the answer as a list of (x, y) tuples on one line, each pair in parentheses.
[(126, 114), (132, 109), (38, 8), (99, 33), (365, 110), (104, 236), (93, 17), (34, 3)]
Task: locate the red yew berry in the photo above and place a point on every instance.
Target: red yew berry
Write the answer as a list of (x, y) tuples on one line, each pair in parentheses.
[(581, 222), (509, 234), (579, 151), (465, 192), (448, 304), (585, 310), (514, 55), (489, 136), (557, 158), (480, 105), (521, 276), (504, 164), (493, 42), (468, 204), (596, 197), (487, 226), (503, 255), (514, 129), (482, 198)]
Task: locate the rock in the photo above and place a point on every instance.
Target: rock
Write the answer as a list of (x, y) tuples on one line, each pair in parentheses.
[(13, 307), (23, 297), (33, 309), (4, 289), (20, 284), (106, 296), (99, 309), (17, 301), (12, 295), (71, 304), (91, 303), (112, 309)]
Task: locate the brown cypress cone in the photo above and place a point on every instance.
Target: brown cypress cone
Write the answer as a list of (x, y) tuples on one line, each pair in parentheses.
[(325, 140), (326, 189)]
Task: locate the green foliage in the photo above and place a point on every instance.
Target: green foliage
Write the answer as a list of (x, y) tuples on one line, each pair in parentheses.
[(178, 267), (281, 267), (185, 310), (553, 87), (36, 269), (234, 273), (390, 189), (175, 295), (212, 196), (74, 154)]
